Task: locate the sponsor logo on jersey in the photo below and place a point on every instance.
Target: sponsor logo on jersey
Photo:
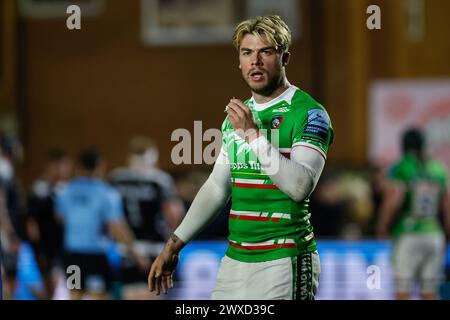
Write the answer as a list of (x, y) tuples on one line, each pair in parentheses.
[(282, 109), (276, 121), (318, 124)]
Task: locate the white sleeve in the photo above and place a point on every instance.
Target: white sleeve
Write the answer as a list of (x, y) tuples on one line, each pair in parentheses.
[(208, 202), (298, 176)]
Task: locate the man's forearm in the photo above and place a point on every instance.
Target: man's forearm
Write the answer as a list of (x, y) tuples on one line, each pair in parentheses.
[(392, 199), (384, 219), (122, 233)]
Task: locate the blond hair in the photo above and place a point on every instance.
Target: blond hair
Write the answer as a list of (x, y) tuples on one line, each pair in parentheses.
[(271, 26)]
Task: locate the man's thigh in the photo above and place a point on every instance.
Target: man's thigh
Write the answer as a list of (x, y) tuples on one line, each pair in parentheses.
[(406, 261), (432, 269)]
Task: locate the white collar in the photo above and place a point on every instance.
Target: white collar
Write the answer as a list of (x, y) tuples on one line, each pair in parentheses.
[(286, 96)]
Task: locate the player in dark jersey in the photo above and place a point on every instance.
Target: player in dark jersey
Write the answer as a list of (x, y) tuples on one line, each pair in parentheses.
[(44, 231), (152, 209)]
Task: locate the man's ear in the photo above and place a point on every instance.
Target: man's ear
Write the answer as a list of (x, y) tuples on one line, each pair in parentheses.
[(285, 58), (240, 67)]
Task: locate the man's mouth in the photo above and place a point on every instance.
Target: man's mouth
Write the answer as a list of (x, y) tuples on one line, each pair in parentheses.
[(256, 75)]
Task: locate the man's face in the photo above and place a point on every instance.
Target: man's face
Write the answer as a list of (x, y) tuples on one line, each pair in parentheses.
[(60, 170), (65, 169), (261, 64)]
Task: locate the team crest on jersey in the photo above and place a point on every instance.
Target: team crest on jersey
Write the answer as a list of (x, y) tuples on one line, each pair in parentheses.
[(276, 121)]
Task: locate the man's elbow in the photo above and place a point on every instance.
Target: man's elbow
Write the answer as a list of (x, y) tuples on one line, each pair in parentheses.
[(296, 196), (302, 190)]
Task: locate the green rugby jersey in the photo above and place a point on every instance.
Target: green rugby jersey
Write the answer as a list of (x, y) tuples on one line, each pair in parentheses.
[(425, 184), (264, 223)]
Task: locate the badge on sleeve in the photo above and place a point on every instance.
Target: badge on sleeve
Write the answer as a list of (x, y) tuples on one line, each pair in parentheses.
[(318, 124)]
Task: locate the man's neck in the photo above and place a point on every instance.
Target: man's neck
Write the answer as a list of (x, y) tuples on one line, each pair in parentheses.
[(259, 98), (86, 174)]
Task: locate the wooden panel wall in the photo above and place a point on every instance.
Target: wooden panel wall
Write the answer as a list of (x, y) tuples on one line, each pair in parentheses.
[(101, 85), (8, 54), (353, 56)]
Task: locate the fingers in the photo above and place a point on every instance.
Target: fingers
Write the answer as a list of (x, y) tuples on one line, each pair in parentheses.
[(236, 110), (160, 277), (169, 281), (151, 278), (241, 105), (158, 284), (238, 106), (239, 114), (154, 278), (165, 284), (158, 281)]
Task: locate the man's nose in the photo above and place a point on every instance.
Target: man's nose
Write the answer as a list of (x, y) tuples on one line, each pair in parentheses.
[(256, 59)]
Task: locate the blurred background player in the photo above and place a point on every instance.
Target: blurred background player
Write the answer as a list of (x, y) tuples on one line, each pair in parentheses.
[(378, 182), (152, 209), (187, 186), (410, 213), (87, 207), (9, 244), (44, 232), (11, 211)]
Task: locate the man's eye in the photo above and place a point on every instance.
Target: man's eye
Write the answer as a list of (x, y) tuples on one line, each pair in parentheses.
[(267, 52), (245, 53)]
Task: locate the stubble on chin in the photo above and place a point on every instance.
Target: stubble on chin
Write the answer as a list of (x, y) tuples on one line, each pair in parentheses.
[(265, 90)]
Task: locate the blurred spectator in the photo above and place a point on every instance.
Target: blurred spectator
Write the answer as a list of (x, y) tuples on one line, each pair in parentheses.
[(44, 232), (87, 205), (152, 209), (341, 205), (328, 206), (356, 190), (418, 189), (11, 211), (378, 183)]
